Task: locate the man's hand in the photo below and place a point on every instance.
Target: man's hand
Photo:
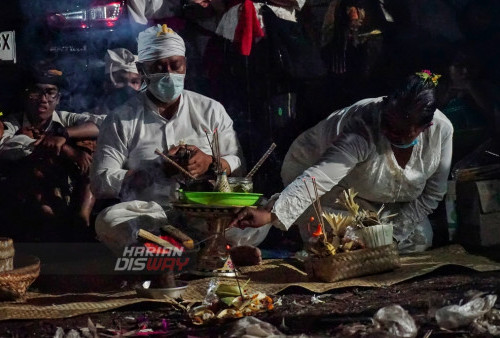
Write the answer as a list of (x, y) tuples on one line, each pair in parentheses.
[(199, 162), (251, 218), (30, 132), (81, 158), (51, 144)]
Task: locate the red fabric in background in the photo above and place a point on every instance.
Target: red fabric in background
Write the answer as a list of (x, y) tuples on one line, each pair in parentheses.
[(248, 28)]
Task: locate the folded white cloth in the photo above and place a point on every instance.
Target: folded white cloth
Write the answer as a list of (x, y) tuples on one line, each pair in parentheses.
[(159, 42), (120, 59), (117, 226)]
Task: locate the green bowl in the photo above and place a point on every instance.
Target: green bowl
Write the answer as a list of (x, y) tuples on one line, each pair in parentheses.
[(242, 199)]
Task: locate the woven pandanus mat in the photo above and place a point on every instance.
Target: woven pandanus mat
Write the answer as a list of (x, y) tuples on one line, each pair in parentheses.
[(47, 306), (271, 277), (276, 275)]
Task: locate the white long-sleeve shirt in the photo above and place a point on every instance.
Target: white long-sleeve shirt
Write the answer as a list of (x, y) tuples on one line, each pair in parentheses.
[(348, 149), (130, 135), (14, 147)]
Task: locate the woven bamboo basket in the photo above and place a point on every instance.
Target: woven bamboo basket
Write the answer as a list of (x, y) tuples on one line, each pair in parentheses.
[(14, 283), (6, 254), (353, 264)]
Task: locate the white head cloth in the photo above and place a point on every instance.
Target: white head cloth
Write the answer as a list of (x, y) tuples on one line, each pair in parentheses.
[(120, 59), (159, 42)]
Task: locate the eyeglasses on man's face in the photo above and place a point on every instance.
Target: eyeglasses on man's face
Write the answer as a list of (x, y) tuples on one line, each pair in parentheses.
[(36, 93)]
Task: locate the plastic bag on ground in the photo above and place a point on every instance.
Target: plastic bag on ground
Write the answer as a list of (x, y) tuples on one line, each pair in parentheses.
[(396, 321), (454, 316), (251, 327)]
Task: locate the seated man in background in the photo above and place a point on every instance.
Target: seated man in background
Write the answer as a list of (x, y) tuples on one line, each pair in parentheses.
[(122, 80), (161, 117), (48, 173)]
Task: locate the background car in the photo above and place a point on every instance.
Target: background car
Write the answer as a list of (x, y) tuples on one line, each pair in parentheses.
[(74, 35)]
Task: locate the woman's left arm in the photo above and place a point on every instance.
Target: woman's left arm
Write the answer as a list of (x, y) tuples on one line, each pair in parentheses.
[(435, 187)]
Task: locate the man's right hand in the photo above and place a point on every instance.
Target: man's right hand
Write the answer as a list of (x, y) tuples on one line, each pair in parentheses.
[(51, 143), (83, 160), (251, 218)]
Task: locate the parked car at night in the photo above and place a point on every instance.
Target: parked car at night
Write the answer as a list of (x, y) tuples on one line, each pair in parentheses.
[(75, 34)]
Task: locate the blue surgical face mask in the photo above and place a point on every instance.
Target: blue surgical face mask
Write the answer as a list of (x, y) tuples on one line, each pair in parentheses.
[(166, 87), (405, 146)]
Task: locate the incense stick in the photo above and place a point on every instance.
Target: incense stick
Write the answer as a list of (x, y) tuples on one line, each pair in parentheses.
[(237, 281), (209, 143), (320, 209), (318, 205), (172, 162), (312, 201), (234, 266), (261, 161), (217, 147), (491, 153)]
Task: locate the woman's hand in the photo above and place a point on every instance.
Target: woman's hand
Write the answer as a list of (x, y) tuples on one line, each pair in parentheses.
[(251, 218)]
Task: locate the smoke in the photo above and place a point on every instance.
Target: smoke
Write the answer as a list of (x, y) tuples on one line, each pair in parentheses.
[(79, 53)]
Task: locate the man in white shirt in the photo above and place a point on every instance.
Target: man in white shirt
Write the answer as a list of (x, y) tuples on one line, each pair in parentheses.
[(393, 150), (121, 82), (43, 144), (161, 117)]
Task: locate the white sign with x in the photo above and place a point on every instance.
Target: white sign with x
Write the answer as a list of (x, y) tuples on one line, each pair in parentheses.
[(8, 46)]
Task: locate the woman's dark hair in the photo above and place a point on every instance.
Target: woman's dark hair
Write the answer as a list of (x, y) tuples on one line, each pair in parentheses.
[(414, 92)]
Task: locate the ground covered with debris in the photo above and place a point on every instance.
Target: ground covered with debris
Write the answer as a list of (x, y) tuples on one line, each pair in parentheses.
[(342, 313)]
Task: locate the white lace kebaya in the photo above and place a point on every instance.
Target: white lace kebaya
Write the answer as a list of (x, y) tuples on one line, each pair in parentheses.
[(348, 150)]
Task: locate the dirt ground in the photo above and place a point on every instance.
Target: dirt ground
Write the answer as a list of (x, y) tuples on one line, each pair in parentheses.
[(340, 314)]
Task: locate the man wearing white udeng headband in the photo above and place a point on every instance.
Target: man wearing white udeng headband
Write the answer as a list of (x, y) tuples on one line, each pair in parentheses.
[(161, 117)]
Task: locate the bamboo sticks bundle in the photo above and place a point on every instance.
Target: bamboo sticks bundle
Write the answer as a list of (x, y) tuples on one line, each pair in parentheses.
[(316, 205), (261, 161), (172, 162), (215, 147), (217, 154)]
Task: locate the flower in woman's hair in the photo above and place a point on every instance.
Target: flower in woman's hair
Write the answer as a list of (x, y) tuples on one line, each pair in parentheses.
[(435, 79), (427, 75)]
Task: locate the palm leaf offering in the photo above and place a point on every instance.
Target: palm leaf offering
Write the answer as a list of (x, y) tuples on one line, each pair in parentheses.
[(357, 229), (231, 301)]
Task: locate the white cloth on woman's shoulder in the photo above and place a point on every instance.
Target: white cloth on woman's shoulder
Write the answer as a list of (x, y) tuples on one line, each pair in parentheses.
[(348, 149)]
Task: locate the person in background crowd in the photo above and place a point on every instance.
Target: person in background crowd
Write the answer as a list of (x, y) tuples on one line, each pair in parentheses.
[(41, 144), (466, 97), (394, 150), (122, 80), (164, 116)]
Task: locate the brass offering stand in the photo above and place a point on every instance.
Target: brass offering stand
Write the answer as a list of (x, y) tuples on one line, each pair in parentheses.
[(213, 259)]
